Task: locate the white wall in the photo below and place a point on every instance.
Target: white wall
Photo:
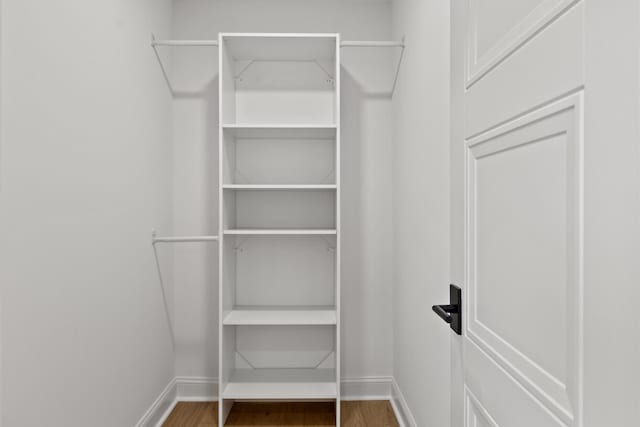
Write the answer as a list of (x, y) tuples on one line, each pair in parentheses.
[(366, 172), (85, 175), (421, 209), (611, 214)]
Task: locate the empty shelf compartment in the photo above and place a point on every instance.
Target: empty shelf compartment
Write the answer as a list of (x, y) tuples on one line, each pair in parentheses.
[(280, 155), (279, 79)]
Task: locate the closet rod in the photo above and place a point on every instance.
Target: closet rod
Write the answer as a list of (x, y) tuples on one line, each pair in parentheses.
[(346, 43), (184, 43), (183, 239)]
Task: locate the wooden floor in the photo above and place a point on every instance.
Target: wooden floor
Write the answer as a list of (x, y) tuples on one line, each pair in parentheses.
[(354, 414)]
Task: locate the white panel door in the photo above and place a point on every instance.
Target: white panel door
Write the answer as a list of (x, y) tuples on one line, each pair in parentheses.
[(517, 181)]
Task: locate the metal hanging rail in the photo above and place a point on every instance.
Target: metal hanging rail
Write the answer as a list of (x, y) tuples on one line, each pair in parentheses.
[(183, 239), (178, 239), (194, 43), (214, 43), (399, 43), (204, 43)]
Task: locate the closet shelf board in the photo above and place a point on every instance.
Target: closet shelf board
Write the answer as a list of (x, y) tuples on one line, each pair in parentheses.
[(281, 384), (280, 232), (279, 187), (281, 131), (281, 316)]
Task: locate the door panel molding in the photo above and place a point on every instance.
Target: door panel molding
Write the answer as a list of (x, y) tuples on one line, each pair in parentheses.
[(549, 66), (474, 411), (480, 63), (558, 121), (489, 383)]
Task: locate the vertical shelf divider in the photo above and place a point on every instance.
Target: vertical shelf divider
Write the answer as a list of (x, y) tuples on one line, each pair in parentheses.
[(224, 406), (338, 193)]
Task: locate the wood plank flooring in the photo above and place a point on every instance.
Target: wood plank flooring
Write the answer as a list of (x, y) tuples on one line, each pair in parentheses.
[(307, 414)]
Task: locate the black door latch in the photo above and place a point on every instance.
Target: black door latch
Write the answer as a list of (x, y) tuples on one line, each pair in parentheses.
[(452, 312)]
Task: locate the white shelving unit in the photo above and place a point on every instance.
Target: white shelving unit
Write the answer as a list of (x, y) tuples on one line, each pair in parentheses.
[(279, 219)]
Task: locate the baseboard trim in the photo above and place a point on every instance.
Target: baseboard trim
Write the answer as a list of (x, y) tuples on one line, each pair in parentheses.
[(205, 389), (161, 407), (399, 404), (196, 389), (366, 388)]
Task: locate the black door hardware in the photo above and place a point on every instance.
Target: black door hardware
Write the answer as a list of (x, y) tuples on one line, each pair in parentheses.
[(452, 312)]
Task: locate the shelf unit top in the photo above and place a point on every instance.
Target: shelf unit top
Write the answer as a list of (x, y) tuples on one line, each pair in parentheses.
[(299, 316), (281, 384), (280, 46), (281, 131)]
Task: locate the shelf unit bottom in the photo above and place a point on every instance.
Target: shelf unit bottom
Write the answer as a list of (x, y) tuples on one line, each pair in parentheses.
[(283, 384)]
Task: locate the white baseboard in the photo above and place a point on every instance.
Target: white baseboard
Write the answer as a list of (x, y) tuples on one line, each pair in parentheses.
[(204, 389), (161, 408), (400, 407), (196, 389), (366, 388)]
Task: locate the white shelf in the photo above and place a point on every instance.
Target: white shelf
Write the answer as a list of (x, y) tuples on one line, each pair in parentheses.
[(281, 131), (280, 187), (280, 232), (300, 316), (281, 384)]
